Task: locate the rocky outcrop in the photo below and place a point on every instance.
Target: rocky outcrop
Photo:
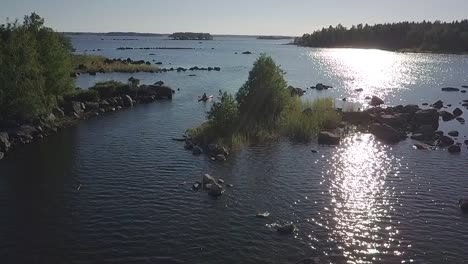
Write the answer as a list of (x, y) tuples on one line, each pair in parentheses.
[(445, 141), (453, 133), (438, 105), (211, 185), (328, 138), (72, 107), (321, 87), (288, 228), (387, 133), (296, 91), (426, 117)]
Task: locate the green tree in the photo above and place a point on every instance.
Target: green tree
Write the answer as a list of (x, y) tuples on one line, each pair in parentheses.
[(224, 114), (34, 70), (262, 98)]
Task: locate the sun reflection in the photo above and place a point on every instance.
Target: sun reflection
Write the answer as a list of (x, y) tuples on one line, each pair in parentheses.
[(377, 72), (361, 201)]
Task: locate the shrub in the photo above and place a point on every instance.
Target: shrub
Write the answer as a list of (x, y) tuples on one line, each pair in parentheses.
[(110, 88), (87, 96), (224, 114)]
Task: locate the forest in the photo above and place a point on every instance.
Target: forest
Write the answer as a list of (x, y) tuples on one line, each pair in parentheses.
[(437, 37)]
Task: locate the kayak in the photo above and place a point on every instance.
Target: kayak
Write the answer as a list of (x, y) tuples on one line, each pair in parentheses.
[(206, 98)]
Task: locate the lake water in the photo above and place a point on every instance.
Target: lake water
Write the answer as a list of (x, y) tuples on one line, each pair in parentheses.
[(116, 189)]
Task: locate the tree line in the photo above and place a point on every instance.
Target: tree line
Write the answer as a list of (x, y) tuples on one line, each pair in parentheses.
[(445, 37), (35, 66)]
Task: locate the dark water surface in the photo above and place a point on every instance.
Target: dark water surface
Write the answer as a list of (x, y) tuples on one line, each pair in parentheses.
[(116, 189)]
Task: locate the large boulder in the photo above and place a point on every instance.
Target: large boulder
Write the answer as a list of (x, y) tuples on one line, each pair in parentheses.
[(438, 105), (215, 189), (328, 138), (197, 151), (72, 107), (92, 106), (447, 116), (24, 133), (208, 179), (454, 149), (393, 120), (457, 112), (296, 91), (357, 117), (376, 101), (453, 133), (426, 117), (410, 109), (4, 142), (387, 133), (445, 141), (127, 101)]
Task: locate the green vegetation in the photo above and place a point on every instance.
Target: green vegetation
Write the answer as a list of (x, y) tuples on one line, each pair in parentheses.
[(264, 109), (94, 63), (35, 66), (191, 36), (407, 36)]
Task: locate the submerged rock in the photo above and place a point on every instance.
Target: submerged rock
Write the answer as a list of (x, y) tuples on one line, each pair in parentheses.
[(196, 185), (286, 228), (450, 89), (328, 138), (215, 190), (422, 146), (445, 141), (463, 204)]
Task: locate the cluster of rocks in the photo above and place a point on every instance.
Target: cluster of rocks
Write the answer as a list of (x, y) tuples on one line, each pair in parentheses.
[(93, 50), (454, 89), (214, 187), (155, 48), (393, 124), (294, 91), (127, 61), (69, 112), (196, 68), (215, 152), (320, 87)]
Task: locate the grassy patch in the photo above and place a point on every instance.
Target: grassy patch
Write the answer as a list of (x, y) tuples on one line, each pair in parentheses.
[(95, 63), (303, 120)]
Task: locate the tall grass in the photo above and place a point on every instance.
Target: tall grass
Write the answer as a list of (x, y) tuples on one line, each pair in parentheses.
[(303, 120), (95, 63), (300, 121)]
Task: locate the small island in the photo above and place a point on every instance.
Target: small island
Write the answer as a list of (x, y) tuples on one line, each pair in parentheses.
[(191, 36), (274, 37)]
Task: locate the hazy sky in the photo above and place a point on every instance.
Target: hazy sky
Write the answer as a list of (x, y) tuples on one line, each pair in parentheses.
[(286, 17)]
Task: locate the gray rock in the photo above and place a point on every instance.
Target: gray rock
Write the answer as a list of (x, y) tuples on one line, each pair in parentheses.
[(376, 101), (72, 107), (387, 133), (208, 179), (196, 185), (216, 190), (438, 105), (457, 112), (4, 142), (446, 116), (220, 157), (454, 149), (450, 89), (197, 151), (446, 141), (453, 133), (92, 106), (127, 101), (426, 117), (328, 138), (220, 181), (422, 146), (1, 155), (58, 112)]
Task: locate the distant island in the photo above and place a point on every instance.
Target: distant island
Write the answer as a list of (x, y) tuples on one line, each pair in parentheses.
[(274, 37), (436, 37), (117, 34), (191, 36)]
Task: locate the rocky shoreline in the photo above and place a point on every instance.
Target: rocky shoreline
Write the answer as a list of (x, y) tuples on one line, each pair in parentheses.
[(69, 113)]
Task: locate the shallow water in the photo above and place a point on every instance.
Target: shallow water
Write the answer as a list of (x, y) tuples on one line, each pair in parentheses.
[(116, 189)]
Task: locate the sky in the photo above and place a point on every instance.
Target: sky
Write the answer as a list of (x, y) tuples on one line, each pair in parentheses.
[(249, 17)]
